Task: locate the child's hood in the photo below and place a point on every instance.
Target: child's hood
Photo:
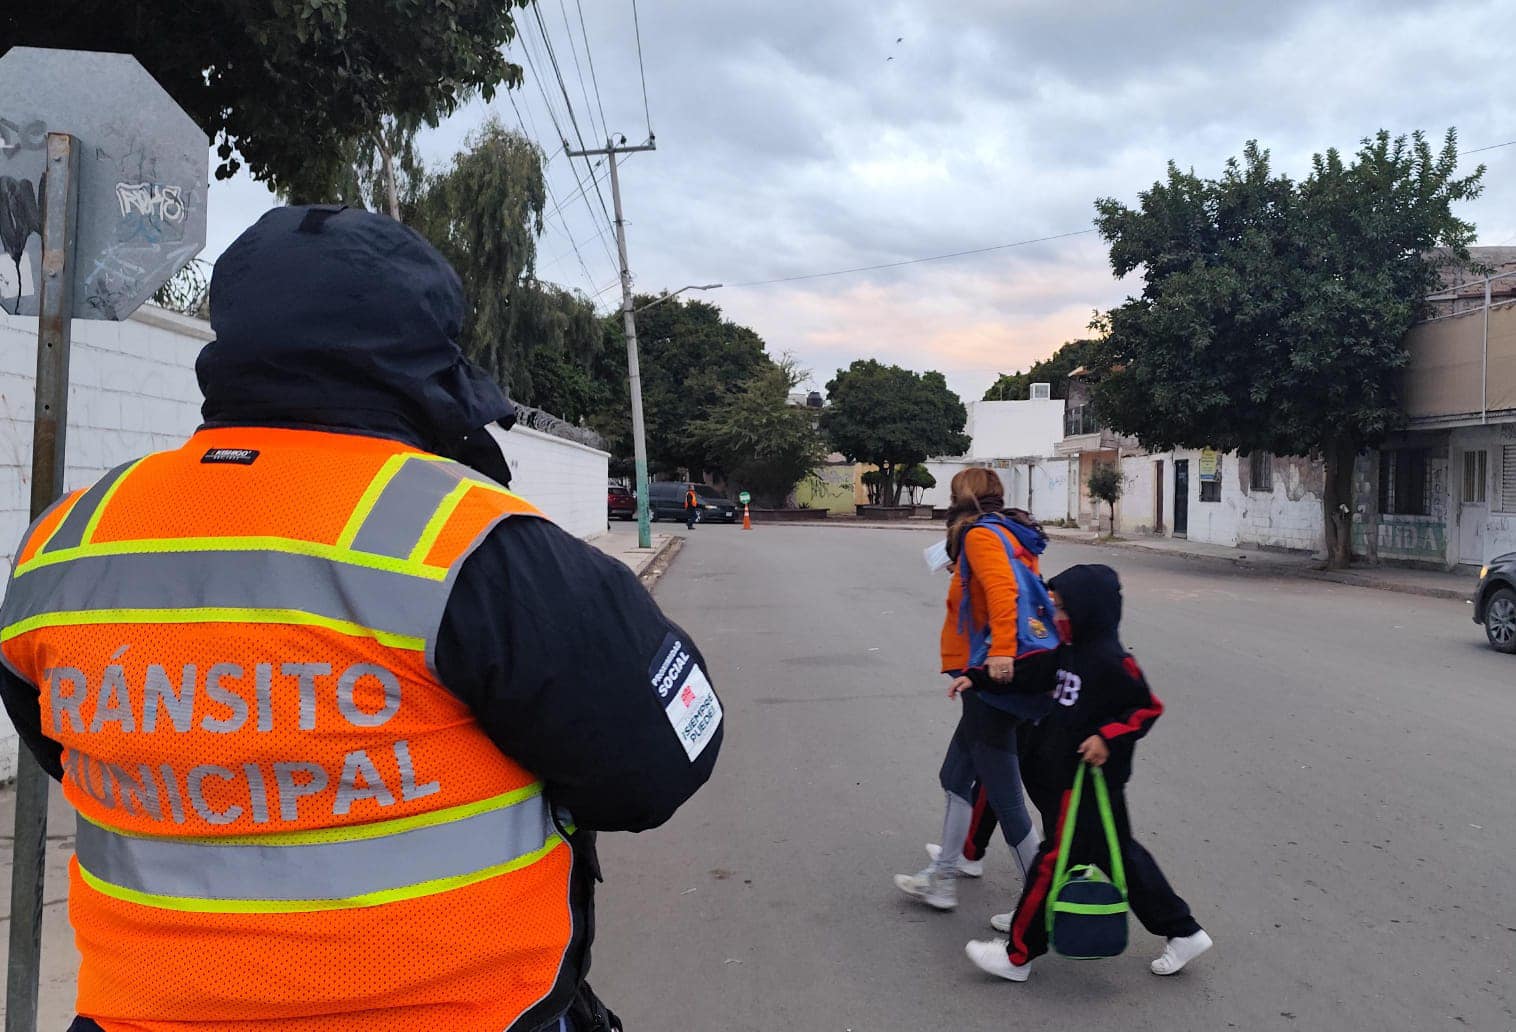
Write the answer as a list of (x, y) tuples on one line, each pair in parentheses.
[(1091, 595)]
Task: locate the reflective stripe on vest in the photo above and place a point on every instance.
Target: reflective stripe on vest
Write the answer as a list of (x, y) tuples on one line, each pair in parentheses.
[(330, 869), (373, 581)]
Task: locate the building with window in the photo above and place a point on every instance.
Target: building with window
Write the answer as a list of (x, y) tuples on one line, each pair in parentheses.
[(1443, 491)]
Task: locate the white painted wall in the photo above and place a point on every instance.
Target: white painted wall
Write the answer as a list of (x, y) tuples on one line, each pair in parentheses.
[(1289, 516), (564, 479), (1498, 530), (1049, 480), (1000, 429)]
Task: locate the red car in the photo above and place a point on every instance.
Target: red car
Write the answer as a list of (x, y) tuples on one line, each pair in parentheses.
[(620, 503)]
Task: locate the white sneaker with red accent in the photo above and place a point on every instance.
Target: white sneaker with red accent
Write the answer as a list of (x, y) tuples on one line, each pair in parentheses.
[(966, 867), (991, 958), (1179, 952)]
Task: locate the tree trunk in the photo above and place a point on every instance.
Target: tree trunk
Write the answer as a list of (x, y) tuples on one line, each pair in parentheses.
[(391, 195), (1337, 502)]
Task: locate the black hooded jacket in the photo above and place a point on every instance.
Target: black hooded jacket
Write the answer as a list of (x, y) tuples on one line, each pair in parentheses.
[(1101, 689), (336, 319)]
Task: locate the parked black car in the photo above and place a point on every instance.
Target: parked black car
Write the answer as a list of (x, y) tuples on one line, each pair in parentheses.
[(1495, 602), (666, 500)]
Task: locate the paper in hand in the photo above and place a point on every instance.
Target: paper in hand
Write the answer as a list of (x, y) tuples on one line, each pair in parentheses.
[(936, 557)]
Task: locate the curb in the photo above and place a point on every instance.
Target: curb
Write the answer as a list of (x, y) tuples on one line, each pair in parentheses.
[(660, 562)]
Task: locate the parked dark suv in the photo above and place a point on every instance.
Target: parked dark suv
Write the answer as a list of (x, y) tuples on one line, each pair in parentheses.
[(666, 500), (1495, 602)]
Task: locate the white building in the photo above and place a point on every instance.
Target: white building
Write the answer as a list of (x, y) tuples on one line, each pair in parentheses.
[(1017, 439)]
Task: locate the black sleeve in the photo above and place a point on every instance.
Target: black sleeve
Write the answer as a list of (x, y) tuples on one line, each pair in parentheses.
[(555, 647), (25, 712)]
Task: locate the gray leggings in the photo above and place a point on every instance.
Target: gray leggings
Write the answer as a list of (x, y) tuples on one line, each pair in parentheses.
[(983, 752)]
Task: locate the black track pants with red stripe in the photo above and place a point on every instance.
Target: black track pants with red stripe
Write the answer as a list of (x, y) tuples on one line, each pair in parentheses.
[(1154, 903), (982, 828)]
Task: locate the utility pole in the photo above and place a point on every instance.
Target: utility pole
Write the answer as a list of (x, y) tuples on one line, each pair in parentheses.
[(629, 316)]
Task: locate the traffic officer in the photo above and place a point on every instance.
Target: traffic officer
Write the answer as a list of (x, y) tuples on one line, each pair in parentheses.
[(339, 713)]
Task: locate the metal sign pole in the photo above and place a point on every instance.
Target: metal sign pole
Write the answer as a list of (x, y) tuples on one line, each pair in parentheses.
[(49, 430)]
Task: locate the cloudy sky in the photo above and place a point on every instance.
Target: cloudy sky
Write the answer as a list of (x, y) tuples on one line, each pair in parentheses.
[(798, 137)]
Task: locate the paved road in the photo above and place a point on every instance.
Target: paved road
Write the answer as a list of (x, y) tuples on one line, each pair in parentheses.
[(1331, 789)]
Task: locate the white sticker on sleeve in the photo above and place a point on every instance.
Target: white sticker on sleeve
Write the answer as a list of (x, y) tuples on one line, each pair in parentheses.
[(695, 712)]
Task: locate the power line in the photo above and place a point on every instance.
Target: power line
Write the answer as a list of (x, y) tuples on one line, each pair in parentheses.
[(558, 128), (583, 31), (1493, 146), (584, 90), (914, 261), (637, 25), (568, 102)]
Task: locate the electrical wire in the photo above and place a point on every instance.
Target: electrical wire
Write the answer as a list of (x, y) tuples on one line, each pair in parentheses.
[(558, 128), (584, 267), (914, 261), (552, 55), (579, 69), (583, 31), (642, 70)]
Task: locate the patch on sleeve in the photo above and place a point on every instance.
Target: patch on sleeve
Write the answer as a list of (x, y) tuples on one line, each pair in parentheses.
[(1129, 664), (687, 697)]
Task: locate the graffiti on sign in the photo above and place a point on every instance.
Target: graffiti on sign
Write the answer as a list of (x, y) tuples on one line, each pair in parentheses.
[(147, 209)]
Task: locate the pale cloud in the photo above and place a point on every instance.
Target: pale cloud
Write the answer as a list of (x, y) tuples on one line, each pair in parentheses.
[(788, 144)]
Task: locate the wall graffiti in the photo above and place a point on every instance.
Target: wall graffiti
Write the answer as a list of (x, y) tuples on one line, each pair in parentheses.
[(1406, 537), (20, 220)]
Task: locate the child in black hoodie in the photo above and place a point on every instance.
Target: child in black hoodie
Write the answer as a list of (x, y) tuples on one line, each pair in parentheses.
[(1104, 707)]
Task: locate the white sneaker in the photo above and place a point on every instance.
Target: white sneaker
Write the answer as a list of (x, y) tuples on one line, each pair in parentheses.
[(935, 890), (1179, 952), (966, 867), (1002, 922), (991, 958)]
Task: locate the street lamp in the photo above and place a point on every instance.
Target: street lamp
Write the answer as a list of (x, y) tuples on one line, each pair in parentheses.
[(675, 293), (639, 432)]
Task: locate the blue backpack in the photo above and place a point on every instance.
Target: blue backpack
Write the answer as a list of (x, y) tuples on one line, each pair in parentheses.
[(1035, 633)]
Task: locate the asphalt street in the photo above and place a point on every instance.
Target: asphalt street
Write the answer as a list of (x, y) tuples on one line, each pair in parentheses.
[(1331, 789)]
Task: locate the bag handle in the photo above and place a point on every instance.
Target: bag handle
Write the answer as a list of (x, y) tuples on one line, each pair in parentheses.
[(1108, 822)]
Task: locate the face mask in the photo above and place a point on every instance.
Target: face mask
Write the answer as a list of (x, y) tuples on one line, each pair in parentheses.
[(1065, 629)]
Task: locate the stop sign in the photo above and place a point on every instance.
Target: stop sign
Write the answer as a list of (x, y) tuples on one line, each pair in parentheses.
[(143, 169)]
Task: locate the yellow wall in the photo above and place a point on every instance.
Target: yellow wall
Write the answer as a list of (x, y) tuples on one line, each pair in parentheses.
[(832, 489)]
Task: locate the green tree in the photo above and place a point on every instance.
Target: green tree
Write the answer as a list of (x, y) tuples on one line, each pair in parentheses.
[(892, 418), (690, 358), (763, 443), (1273, 314), (285, 86), (916, 480), (1053, 370), (1105, 484)]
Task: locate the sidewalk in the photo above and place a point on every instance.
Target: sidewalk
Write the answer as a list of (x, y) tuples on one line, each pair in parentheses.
[(647, 563), (1457, 586), (60, 961)]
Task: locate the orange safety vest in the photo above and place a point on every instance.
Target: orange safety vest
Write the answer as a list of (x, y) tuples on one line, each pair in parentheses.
[(285, 820)]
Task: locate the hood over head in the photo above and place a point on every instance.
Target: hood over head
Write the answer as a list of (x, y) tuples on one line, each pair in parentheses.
[(1091, 595), (327, 316)]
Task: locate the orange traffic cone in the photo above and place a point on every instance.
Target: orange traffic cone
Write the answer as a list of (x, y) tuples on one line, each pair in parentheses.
[(747, 519)]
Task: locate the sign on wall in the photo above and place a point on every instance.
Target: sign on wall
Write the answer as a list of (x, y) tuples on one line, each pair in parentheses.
[(1210, 465)]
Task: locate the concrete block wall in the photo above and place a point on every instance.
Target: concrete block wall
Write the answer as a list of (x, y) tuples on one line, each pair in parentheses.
[(564, 479), (132, 390)]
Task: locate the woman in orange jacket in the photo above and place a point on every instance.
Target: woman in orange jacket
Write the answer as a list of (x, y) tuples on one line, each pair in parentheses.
[(998, 689)]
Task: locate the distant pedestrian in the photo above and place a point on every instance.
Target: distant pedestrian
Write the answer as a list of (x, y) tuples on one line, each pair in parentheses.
[(1002, 677), (691, 507), (1104, 706)]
